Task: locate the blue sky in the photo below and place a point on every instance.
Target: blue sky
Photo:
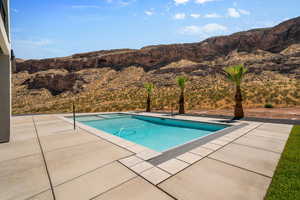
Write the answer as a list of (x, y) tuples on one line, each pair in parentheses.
[(54, 28)]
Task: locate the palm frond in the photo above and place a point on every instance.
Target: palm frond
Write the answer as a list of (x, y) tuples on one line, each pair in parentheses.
[(235, 73), (181, 81), (149, 87)]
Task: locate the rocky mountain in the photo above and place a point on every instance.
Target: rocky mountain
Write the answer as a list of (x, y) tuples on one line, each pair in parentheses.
[(275, 50), (272, 40)]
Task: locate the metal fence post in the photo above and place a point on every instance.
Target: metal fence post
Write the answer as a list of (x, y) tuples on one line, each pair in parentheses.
[(74, 120)]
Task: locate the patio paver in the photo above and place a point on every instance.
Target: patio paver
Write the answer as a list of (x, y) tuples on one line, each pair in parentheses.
[(94, 183), (53, 127), (209, 179), (45, 118), (21, 121), (137, 148), (131, 161), (140, 167), (173, 166), (19, 149), (23, 132), (270, 144), (135, 189), (221, 142), (277, 128), (155, 175), (67, 163), (257, 160), (66, 139), (148, 154), (202, 151), (269, 134), (23, 178), (211, 146), (43, 196), (189, 157)]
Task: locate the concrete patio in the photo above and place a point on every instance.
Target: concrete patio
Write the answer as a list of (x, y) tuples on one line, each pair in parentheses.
[(46, 160)]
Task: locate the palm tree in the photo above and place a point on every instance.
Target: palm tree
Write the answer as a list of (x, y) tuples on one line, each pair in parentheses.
[(181, 81), (236, 74), (149, 87)]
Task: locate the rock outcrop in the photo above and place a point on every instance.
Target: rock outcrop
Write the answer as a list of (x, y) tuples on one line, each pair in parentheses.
[(56, 81)]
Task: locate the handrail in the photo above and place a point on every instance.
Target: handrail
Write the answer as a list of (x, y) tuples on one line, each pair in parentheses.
[(74, 117)]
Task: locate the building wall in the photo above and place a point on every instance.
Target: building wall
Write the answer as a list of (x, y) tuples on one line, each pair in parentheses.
[(5, 102), (5, 75)]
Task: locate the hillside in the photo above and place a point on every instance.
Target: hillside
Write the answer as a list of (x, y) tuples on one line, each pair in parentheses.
[(113, 80)]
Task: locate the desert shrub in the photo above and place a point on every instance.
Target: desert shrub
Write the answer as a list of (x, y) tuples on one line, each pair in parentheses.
[(268, 105)]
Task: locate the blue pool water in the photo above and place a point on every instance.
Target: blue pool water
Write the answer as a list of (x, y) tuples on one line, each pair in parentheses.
[(155, 133), (116, 115)]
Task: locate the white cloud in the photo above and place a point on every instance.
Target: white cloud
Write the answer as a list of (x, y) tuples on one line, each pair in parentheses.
[(179, 16), (212, 28), (191, 30), (232, 12), (206, 30), (178, 2), (204, 1), (149, 12), (244, 12), (212, 15), (195, 15), (236, 13)]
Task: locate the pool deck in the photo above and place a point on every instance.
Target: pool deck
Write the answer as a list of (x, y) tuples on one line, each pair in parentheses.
[(47, 160)]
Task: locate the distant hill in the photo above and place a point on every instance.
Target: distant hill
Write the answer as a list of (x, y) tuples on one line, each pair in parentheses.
[(272, 40), (116, 77)]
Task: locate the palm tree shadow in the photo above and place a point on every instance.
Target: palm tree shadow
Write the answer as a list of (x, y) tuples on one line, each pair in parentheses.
[(236, 118), (229, 121)]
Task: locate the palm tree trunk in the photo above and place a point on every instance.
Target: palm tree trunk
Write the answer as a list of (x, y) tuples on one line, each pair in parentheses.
[(148, 109), (238, 110), (181, 103)]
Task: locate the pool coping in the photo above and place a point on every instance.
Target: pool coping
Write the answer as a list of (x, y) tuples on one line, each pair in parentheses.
[(187, 147), (144, 159)]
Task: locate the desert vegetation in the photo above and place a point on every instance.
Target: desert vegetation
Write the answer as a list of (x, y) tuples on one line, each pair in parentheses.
[(109, 92)]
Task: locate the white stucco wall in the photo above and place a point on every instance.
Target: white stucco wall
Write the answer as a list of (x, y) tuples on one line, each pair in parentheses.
[(5, 79)]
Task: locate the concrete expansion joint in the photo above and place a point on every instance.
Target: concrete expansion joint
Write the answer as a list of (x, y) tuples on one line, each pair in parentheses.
[(44, 159)]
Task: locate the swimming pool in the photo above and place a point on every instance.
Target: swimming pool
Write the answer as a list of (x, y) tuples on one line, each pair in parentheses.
[(159, 134)]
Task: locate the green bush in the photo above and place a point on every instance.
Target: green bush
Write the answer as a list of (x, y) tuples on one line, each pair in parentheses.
[(268, 105)]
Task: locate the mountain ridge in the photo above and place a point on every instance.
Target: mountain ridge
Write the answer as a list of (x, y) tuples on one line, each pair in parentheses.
[(274, 40)]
